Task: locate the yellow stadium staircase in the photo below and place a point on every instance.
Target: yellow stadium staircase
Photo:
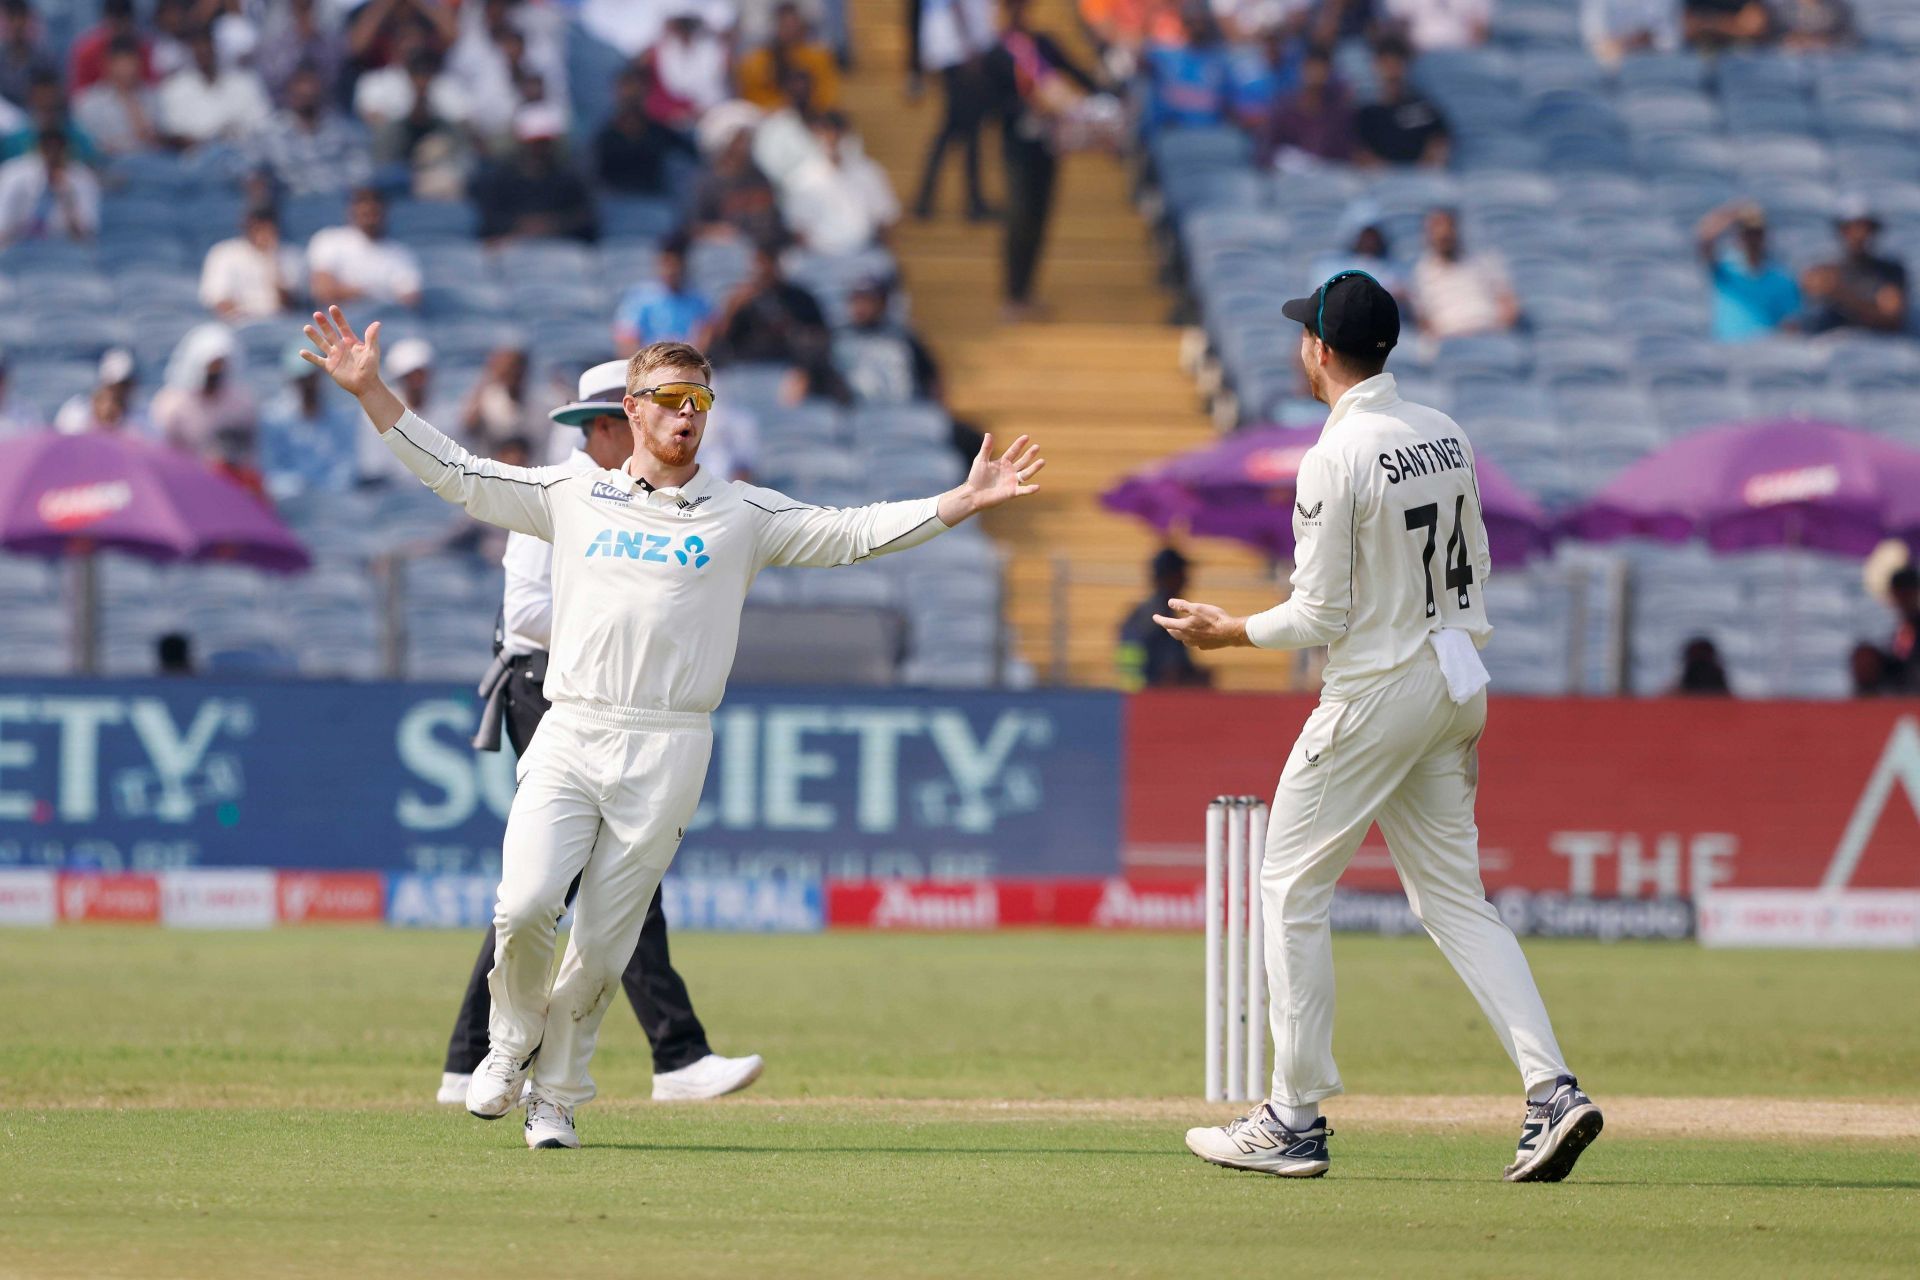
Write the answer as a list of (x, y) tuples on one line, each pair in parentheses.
[(1098, 383)]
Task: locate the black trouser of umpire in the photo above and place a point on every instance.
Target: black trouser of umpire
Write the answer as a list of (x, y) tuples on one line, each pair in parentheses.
[(658, 996)]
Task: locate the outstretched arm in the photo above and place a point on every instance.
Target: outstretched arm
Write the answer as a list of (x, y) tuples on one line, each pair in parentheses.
[(795, 534), (512, 497)]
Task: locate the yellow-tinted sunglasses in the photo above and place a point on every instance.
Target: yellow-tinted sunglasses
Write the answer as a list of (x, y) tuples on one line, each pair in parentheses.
[(671, 395)]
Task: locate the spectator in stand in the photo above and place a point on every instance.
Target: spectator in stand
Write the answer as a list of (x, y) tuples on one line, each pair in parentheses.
[(1401, 127), (1713, 25), (689, 68), (358, 261), (297, 33), (1809, 26), (1316, 125), (762, 73), (174, 22), (839, 202), (1030, 82), (204, 102), (1260, 75), (1702, 674), (309, 147), (534, 193), (46, 196), (732, 197), (1367, 251), (1752, 293), (108, 406), (783, 139), (952, 37), (253, 276), (428, 139), (23, 50), (1615, 28), (1456, 295), (382, 31), (1860, 289), (1903, 654), (634, 154), (664, 309), (770, 320), (499, 406), (47, 109), (203, 407), (1441, 24), (16, 416), (309, 434), (389, 93), (1187, 83), (1147, 656), (87, 59), (880, 360), (173, 654), (1122, 29), (121, 112)]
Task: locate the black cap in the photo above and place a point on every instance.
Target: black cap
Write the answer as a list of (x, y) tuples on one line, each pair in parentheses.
[(1350, 313)]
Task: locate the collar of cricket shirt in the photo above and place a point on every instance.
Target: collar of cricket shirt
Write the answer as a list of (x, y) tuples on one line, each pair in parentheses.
[(1376, 392), (685, 495)]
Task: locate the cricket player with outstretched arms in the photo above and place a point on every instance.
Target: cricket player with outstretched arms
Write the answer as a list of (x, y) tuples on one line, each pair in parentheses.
[(1390, 571), (651, 565)]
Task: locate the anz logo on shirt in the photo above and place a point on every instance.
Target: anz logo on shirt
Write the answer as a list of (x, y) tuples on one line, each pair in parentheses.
[(616, 544)]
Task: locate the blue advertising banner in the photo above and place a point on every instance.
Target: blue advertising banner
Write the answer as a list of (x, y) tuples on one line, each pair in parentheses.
[(816, 783)]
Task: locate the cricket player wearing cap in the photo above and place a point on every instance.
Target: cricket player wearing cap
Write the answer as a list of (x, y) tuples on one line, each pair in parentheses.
[(651, 566), (685, 1068), (1390, 571)]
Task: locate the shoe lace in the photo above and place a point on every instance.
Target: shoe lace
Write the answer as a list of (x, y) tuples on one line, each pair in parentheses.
[(546, 1110)]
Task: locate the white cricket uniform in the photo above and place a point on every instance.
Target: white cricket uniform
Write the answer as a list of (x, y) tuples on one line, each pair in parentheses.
[(1391, 549), (648, 586)]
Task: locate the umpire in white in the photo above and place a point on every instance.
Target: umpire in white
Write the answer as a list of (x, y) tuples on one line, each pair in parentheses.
[(1391, 565), (684, 1065)]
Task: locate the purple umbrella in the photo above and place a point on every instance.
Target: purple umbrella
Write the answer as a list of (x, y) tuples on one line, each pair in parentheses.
[(1766, 484), (1242, 488), (73, 496), (63, 495)]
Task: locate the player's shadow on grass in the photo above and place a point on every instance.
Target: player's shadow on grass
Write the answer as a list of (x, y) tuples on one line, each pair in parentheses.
[(881, 1150)]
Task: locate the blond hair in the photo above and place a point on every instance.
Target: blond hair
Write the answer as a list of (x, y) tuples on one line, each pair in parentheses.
[(664, 355)]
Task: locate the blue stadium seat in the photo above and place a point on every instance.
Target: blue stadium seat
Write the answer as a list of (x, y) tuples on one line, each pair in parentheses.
[(411, 220), (1647, 71), (637, 217)]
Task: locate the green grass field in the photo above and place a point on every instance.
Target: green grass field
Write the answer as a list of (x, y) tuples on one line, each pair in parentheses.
[(213, 1105)]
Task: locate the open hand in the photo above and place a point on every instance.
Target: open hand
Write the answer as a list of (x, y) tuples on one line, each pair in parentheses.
[(992, 481), (349, 359), (1203, 626)]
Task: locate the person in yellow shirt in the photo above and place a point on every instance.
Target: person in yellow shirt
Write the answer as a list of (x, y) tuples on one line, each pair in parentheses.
[(765, 72)]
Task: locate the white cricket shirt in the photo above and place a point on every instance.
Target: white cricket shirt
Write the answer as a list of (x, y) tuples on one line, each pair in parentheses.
[(526, 605), (648, 584), (1389, 542)]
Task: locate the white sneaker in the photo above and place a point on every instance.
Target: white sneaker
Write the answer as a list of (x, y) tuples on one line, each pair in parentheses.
[(711, 1077), (1258, 1142), (453, 1089), (549, 1125), (496, 1085)]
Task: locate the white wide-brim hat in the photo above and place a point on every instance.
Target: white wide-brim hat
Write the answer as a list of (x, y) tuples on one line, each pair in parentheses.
[(603, 390)]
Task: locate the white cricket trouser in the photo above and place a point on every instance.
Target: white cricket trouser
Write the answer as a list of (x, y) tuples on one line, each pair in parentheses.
[(1405, 755), (605, 794)]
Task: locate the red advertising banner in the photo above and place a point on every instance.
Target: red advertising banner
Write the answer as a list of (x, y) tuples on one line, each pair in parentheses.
[(313, 897), (1594, 798), (997, 904), (125, 899)]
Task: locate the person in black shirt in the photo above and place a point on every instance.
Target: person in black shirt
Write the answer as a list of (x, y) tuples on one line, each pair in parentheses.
[(1148, 655), (1401, 127), (770, 320), (880, 360), (535, 193), (632, 151), (1701, 672), (1726, 24), (1860, 289), (1027, 76)]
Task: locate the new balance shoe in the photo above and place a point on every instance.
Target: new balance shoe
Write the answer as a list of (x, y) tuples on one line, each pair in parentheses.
[(711, 1077), (1259, 1142), (549, 1125), (496, 1084), (453, 1089), (1554, 1133)]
